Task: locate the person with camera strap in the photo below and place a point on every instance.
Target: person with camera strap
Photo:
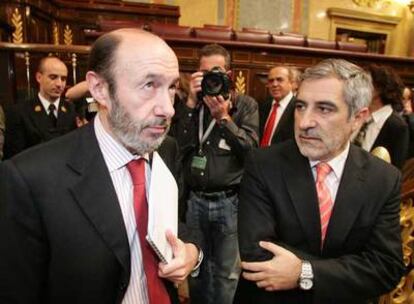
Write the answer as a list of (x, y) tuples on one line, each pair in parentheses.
[(215, 127)]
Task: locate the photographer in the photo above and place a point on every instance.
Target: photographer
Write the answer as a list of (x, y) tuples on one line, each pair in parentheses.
[(215, 128)]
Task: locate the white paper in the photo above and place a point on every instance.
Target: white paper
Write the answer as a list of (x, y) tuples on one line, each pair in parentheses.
[(162, 208)]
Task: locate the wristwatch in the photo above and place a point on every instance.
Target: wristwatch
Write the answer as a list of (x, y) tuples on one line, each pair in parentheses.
[(196, 270), (224, 120), (306, 276)]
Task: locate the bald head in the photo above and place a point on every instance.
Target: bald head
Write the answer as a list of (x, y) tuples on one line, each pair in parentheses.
[(109, 49)]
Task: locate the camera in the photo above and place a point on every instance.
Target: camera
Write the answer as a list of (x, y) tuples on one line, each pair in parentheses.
[(215, 82)]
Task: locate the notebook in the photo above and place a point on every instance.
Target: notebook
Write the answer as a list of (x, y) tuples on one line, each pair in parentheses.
[(162, 208)]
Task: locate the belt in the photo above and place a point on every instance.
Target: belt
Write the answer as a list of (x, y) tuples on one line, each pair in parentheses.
[(216, 196)]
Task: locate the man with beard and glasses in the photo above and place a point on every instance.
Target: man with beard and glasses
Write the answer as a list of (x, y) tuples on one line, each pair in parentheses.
[(43, 117), (319, 216), (69, 229)]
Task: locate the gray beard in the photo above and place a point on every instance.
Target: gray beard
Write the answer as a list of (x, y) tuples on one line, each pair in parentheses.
[(128, 131)]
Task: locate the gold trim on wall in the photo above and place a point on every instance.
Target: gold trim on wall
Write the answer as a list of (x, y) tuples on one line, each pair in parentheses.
[(16, 20), (240, 83), (67, 35), (55, 33), (359, 15)]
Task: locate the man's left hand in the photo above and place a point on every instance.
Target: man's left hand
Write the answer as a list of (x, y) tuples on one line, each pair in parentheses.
[(280, 273), (219, 107), (183, 262)]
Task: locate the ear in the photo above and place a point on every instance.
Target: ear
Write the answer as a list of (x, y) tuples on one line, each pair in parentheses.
[(98, 88), (359, 118), (38, 76)]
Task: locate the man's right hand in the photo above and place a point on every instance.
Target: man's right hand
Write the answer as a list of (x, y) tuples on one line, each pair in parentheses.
[(195, 87)]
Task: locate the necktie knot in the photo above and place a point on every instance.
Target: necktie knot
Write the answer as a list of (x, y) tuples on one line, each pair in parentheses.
[(136, 168), (322, 171), (52, 108)]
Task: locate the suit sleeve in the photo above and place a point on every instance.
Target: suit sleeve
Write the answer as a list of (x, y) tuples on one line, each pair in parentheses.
[(22, 243), (400, 145), (376, 269)]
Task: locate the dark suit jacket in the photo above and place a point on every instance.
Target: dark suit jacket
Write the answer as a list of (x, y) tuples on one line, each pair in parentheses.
[(361, 257), (27, 124), (395, 137), (285, 127), (62, 235)]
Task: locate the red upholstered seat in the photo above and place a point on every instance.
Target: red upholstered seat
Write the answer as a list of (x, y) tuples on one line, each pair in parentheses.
[(352, 47), (171, 30), (219, 27), (321, 43), (288, 39), (110, 25), (213, 33), (257, 37)]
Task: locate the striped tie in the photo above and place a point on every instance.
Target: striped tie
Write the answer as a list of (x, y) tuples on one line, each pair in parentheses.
[(324, 197)]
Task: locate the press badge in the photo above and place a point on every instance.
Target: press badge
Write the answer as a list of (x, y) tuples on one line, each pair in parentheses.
[(199, 162)]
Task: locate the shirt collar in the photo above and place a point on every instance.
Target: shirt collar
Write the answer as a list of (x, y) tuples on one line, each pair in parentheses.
[(284, 101), (116, 155), (337, 164), (45, 103), (382, 114)]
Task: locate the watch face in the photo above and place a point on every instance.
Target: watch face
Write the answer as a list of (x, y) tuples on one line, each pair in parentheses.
[(306, 284)]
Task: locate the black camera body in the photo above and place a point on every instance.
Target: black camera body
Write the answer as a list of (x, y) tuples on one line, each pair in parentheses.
[(215, 82)]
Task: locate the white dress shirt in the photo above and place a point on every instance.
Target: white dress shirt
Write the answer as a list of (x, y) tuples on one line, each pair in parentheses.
[(333, 179), (283, 103), (379, 117), (116, 158), (46, 103)]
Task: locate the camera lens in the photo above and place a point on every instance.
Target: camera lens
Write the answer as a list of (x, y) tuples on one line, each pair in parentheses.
[(212, 85)]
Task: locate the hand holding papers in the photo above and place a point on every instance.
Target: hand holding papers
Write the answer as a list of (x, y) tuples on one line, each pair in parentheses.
[(162, 208)]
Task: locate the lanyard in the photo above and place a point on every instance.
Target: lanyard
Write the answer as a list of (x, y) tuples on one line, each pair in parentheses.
[(201, 135)]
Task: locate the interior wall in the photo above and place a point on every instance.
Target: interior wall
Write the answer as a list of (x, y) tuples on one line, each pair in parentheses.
[(308, 17), (319, 22)]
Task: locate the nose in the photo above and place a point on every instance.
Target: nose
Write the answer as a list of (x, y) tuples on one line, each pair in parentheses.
[(305, 119), (165, 106), (59, 82)]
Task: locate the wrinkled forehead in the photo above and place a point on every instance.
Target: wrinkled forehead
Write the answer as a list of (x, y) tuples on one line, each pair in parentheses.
[(142, 50)]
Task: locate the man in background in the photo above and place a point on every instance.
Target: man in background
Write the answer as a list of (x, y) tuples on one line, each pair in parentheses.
[(276, 113), (313, 227), (214, 134), (73, 212), (44, 117)]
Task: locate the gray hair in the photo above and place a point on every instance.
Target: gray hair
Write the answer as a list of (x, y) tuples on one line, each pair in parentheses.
[(358, 87)]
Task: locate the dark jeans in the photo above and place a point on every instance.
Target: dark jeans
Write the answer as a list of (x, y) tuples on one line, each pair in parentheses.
[(214, 221)]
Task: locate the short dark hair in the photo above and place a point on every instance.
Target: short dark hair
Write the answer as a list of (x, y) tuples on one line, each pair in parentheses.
[(102, 58), (388, 85), (216, 49)]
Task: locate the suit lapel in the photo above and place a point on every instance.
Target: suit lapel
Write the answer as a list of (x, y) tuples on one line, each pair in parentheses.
[(301, 188), (95, 194), (349, 200), (38, 116)]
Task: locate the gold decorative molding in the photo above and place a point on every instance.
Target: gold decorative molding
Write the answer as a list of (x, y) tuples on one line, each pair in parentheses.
[(67, 35), (16, 20), (240, 83), (359, 15), (74, 64), (369, 3), (55, 33)]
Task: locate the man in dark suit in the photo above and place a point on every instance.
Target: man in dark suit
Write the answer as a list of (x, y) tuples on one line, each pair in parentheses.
[(44, 117), (313, 227), (385, 127), (276, 112), (70, 229)]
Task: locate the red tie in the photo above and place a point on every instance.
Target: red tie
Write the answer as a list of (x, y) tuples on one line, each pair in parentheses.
[(267, 134), (157, 292), (324, 197)]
